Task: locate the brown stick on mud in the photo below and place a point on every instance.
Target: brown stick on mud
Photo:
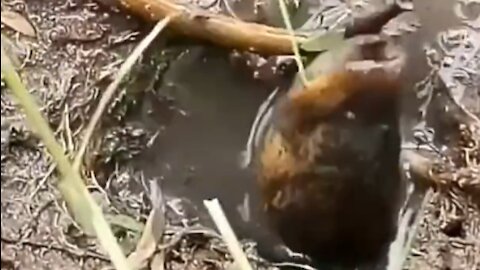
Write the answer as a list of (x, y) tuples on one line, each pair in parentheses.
[(233, 33), (465, 178), (373, 22), (216, 28)]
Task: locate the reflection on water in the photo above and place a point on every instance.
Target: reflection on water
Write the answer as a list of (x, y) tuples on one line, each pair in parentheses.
[(205, 113)]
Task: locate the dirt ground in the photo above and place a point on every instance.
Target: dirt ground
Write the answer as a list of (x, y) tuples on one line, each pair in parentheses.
[(67, 62)]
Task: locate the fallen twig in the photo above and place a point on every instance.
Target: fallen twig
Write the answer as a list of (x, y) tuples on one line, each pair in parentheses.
[(216, 28), (236, 34), (215, 210), (423, 167), (372, 23)]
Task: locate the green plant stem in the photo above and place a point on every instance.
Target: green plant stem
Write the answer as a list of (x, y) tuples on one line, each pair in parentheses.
[(71, 185)]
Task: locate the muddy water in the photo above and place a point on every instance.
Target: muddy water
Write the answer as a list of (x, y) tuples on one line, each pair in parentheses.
[(205, 113)]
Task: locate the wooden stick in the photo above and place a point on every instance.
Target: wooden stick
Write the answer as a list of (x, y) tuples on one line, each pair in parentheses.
[(216, 28), (236, 34), (216, 212)]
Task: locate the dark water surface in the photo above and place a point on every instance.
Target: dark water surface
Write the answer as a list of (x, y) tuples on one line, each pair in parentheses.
[(197, 154), (212, 108)]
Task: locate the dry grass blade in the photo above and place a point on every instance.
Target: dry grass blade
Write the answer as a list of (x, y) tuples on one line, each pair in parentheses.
[(18, 22), (71, 185), (152, 233), (110, 91), (218, 216), (295, 48)]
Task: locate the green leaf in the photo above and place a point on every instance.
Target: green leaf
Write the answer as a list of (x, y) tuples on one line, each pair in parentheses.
[(322, 42)]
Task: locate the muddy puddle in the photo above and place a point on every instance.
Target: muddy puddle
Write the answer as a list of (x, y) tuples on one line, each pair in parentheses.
[(203, 112)]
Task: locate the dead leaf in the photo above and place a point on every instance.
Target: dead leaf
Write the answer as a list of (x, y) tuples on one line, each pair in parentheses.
[(153, 230), (18, 22), (158, 261)]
